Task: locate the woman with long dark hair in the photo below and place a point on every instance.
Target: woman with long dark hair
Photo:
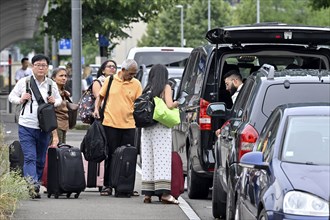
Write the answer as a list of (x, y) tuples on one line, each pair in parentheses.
[(108, 68), (156, 143)]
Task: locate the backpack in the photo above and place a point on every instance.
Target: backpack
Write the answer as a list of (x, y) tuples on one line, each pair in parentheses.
[(87, 105), (46, 111), (144, 110), (94, 144)]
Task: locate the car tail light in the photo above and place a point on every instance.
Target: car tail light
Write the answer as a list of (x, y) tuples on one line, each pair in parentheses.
[(204, 119), (248, 137)]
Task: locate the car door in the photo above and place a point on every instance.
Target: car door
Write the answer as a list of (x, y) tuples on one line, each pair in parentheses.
[(180, 132), (228, 134), (256, 181)]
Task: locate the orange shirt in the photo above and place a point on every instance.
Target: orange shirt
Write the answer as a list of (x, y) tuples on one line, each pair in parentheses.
[(119, 107)]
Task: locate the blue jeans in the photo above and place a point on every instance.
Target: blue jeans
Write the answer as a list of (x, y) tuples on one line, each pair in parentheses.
[(34, 144)]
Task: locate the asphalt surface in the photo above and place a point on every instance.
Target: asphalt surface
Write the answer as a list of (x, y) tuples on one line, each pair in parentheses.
[(90, 205)]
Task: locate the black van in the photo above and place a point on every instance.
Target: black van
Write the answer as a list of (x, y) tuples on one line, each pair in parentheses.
[(245, 48)]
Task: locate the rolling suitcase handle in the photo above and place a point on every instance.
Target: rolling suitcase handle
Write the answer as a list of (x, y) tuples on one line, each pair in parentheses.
[(64, 146)]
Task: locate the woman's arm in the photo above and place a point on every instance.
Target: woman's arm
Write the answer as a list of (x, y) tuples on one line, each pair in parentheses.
[(168, 97), (96, 92)]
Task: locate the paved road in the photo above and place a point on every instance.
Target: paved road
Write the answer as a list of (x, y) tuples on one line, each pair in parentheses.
[(90, 205)]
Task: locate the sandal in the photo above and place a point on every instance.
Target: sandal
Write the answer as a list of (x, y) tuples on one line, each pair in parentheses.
[(106, 191), (171, 200), (147, 199)]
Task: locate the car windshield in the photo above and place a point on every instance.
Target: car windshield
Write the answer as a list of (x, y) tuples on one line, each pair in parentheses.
[(307, 140), (168, 58)]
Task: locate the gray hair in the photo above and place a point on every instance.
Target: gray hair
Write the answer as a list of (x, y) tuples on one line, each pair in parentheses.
[(128, 64)]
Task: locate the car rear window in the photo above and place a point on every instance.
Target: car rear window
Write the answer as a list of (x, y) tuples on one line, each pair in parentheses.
[(307, 140), (277, 95), (167, 58)]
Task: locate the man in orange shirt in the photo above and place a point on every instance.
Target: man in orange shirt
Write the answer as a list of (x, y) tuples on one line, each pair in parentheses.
[(118, 122)]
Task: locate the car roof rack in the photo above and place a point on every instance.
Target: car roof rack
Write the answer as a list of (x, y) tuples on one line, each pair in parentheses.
[(268, 70)]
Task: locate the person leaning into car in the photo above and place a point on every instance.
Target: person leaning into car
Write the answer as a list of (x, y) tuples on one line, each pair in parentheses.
[(234, 83), (118, 122)]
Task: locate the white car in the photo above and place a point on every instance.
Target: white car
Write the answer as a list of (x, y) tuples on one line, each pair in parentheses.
[(174, 58)]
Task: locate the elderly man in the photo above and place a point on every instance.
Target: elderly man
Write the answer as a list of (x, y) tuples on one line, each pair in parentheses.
[(118, 122), (34, 141)]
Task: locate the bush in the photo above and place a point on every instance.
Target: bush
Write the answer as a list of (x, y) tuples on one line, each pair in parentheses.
[(13, 187)]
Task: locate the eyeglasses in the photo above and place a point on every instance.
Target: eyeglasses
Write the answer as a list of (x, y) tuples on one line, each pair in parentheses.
[(111, 66), (40, 65)]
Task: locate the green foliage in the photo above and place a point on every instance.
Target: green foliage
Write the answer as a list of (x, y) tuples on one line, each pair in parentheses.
[(12, 186), (90, 51), (166, 29), (285, 11), (320, 4), (197, 20), (36, 44), (105, 17)]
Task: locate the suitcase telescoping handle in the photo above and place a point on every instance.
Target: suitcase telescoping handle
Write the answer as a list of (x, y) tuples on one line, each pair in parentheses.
[(64, 146)]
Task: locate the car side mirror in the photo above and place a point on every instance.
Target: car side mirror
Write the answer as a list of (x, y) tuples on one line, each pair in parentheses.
[(254, 159), (217, 109)]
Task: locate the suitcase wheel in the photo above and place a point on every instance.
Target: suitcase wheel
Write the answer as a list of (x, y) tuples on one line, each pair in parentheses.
[(76, 195), (68, 195), (49, 195), (56, 195)]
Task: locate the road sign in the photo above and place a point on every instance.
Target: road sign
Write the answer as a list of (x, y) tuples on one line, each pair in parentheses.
[(64, 47)]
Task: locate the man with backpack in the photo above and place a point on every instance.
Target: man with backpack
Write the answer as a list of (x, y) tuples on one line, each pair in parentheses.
[(33, 140)]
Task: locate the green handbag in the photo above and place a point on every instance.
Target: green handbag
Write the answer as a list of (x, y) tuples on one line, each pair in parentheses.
[(164, 115)]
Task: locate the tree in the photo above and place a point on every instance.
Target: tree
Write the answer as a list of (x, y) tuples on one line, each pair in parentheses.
[(197, 20), (165, 30), (320, 4), (105, 17), (285, 11), (36, 44)]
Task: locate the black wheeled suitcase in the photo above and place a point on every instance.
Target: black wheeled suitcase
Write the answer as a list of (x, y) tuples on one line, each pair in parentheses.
[(123, 167), (16, 157), (65, 171)]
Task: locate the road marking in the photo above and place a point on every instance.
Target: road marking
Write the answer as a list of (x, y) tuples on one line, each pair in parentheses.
[(185, 207)]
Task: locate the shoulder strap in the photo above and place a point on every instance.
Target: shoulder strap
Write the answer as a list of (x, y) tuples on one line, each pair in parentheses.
[(107, 94), (36, 91), (50, 85), (27, 90)]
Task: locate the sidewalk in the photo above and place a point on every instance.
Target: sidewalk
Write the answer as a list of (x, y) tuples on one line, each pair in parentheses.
[(90, 205)]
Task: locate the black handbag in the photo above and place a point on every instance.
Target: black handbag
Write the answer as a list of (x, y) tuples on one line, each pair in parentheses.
[(72, 112), (46, 112)]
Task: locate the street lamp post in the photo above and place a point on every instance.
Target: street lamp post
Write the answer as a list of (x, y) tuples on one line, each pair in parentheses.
[(182, 37)]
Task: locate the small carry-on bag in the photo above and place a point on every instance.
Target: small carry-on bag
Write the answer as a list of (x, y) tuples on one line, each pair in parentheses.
[(65, 171), (177, 180), (94, 174), (123, 167)]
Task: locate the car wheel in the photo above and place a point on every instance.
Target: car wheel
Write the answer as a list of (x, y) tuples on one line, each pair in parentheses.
[(218, 197), (263, 215), (198, 188), (230, 202)]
